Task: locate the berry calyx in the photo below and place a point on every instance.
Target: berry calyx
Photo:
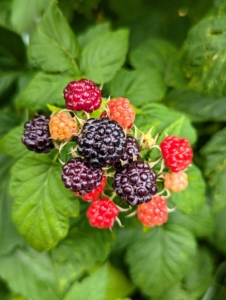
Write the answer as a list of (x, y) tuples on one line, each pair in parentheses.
[(62, 127), (177, 153), (80, 177), (36, 135), (122, 112), (176, 182), (153, 213), (82, 95), (101, 142), (102, 213), (135, 183), (95, 194), (132, 153)]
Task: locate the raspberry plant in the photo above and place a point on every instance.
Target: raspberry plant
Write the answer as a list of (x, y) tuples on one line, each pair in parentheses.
[(124, 111)]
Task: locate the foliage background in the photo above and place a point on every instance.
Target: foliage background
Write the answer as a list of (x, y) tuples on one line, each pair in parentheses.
[(168, 58)]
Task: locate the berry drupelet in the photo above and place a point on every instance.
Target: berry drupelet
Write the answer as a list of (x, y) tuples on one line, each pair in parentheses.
[(131, 153), (80, 177), (101, 142), (36, 135), (102, 213), (135, 183), (82, 95), (177, 153), (153, 213)]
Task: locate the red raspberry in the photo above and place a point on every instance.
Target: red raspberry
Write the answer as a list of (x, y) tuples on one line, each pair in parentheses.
[(177, 153), (94, 194), (62, 126), (153, 213), (122, 112), (102, 213), (82, 95), (176, 182)]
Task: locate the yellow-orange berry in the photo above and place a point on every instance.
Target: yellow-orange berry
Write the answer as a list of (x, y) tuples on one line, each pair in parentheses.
[(62, 126), (121, 111), (176, 182)]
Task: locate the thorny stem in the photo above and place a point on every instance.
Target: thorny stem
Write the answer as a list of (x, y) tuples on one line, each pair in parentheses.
[(119, 222), (170, 210), (163, 191), (113, 196), (133, 213), (62, 163), (122, 209), (55, 145), (55, 157)]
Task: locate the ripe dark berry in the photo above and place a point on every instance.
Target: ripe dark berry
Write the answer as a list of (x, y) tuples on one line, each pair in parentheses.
[(95, 194), (101, 142), (131, 153), (153, 213), (80, 177), (135, 183), (102, 213), (36, 135), (82, 95), (177, 153)]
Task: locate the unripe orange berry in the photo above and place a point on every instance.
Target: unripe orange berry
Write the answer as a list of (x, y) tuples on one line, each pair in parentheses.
[(121, 111), (176, 182), (62, 126)]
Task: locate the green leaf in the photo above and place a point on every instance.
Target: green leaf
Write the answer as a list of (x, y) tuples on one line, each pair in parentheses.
[(196, 106), (98, 60), (92, 33), (53, 46), (83, 247), (174, 293), (204, 57), (8, 234), (44, 89), (218, 238), (12, 50), (26, 22), (215, 168), (8, 120), (30, 274), (161, 56), (7, 84), (5, 13), (182, 128), (139, 86), (192, 198), (42, 205), (160, 258), (165, 119), (107, 283), (200, 275), (11, 143), (200, 224)]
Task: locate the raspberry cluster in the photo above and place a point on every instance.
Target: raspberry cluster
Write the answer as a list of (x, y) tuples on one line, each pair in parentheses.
[(109, 146)]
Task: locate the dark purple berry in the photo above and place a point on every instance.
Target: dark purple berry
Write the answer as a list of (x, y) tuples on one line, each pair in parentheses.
[(36, 135), (135, 183), (80, 177), (101, 142), (131, 153)]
